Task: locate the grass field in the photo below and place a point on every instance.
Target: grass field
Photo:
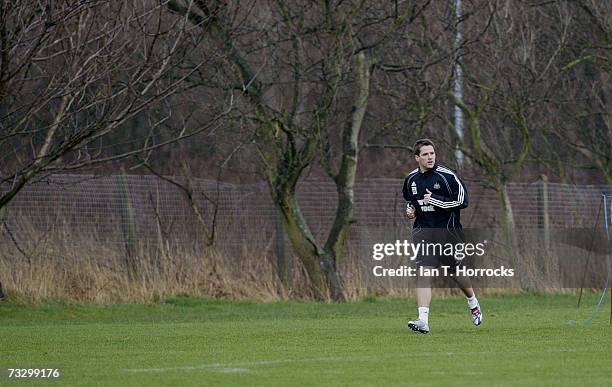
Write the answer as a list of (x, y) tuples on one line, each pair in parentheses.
[(525, 340)]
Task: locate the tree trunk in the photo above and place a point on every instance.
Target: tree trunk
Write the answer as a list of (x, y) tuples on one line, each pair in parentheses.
[(321, 263), (345, 179), (284, 261), (303, 243)]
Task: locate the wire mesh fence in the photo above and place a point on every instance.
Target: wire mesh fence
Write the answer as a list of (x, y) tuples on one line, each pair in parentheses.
[(144, 210), (135, 237)]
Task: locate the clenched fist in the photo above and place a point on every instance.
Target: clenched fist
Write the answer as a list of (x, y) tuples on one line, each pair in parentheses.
[(410, 211)]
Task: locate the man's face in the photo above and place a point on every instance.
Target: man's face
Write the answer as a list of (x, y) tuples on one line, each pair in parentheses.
[(427, 158)]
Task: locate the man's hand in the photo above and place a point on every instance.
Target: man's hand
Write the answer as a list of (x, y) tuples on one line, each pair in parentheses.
[(410, 211), (427, 197)]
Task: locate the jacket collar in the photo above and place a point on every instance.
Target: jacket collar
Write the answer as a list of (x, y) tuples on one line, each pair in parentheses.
[(429, 170)]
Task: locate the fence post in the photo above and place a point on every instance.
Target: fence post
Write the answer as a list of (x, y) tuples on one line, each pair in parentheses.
[(128, 226), (543, 215)]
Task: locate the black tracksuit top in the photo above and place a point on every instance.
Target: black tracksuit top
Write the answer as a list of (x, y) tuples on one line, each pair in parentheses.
[(449, 195)]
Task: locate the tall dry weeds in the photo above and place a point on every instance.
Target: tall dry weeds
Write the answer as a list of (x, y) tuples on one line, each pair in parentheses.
[(61, 265)]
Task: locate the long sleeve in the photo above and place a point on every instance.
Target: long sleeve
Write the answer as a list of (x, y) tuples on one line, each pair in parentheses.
[(408, 195), (458, 197)]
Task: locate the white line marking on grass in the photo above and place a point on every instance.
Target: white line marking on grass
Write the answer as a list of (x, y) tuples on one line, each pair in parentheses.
[(466, 353), (239, 366), (234, 370), (473, 373), (234, 366)]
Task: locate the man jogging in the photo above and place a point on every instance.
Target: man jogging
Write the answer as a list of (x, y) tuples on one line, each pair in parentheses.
[(435, 196)]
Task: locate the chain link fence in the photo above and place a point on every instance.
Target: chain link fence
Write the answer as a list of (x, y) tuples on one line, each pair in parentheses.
[(145, 210)]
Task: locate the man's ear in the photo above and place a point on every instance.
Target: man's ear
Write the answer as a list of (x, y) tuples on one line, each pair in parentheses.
[(416, 158)]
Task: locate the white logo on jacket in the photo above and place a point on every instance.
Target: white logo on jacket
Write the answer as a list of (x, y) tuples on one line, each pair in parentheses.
[(437, 185), (414, 188), (425, 208)]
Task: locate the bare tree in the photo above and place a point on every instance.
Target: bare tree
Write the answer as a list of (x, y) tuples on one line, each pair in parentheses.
[(510, 65), (75, 75), (306, 72), (580, 112)]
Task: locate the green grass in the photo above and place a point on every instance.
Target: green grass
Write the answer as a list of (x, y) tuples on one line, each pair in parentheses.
[(525, 340)]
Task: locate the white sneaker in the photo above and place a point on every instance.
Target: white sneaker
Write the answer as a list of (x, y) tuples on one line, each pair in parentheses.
[(418, 326), (477, 315)]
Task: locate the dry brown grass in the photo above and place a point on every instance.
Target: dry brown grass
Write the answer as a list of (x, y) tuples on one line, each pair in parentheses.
[(89, 281), (54, 266)]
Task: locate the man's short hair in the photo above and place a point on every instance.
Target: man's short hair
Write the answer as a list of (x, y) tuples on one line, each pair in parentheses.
[(421, 143)]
